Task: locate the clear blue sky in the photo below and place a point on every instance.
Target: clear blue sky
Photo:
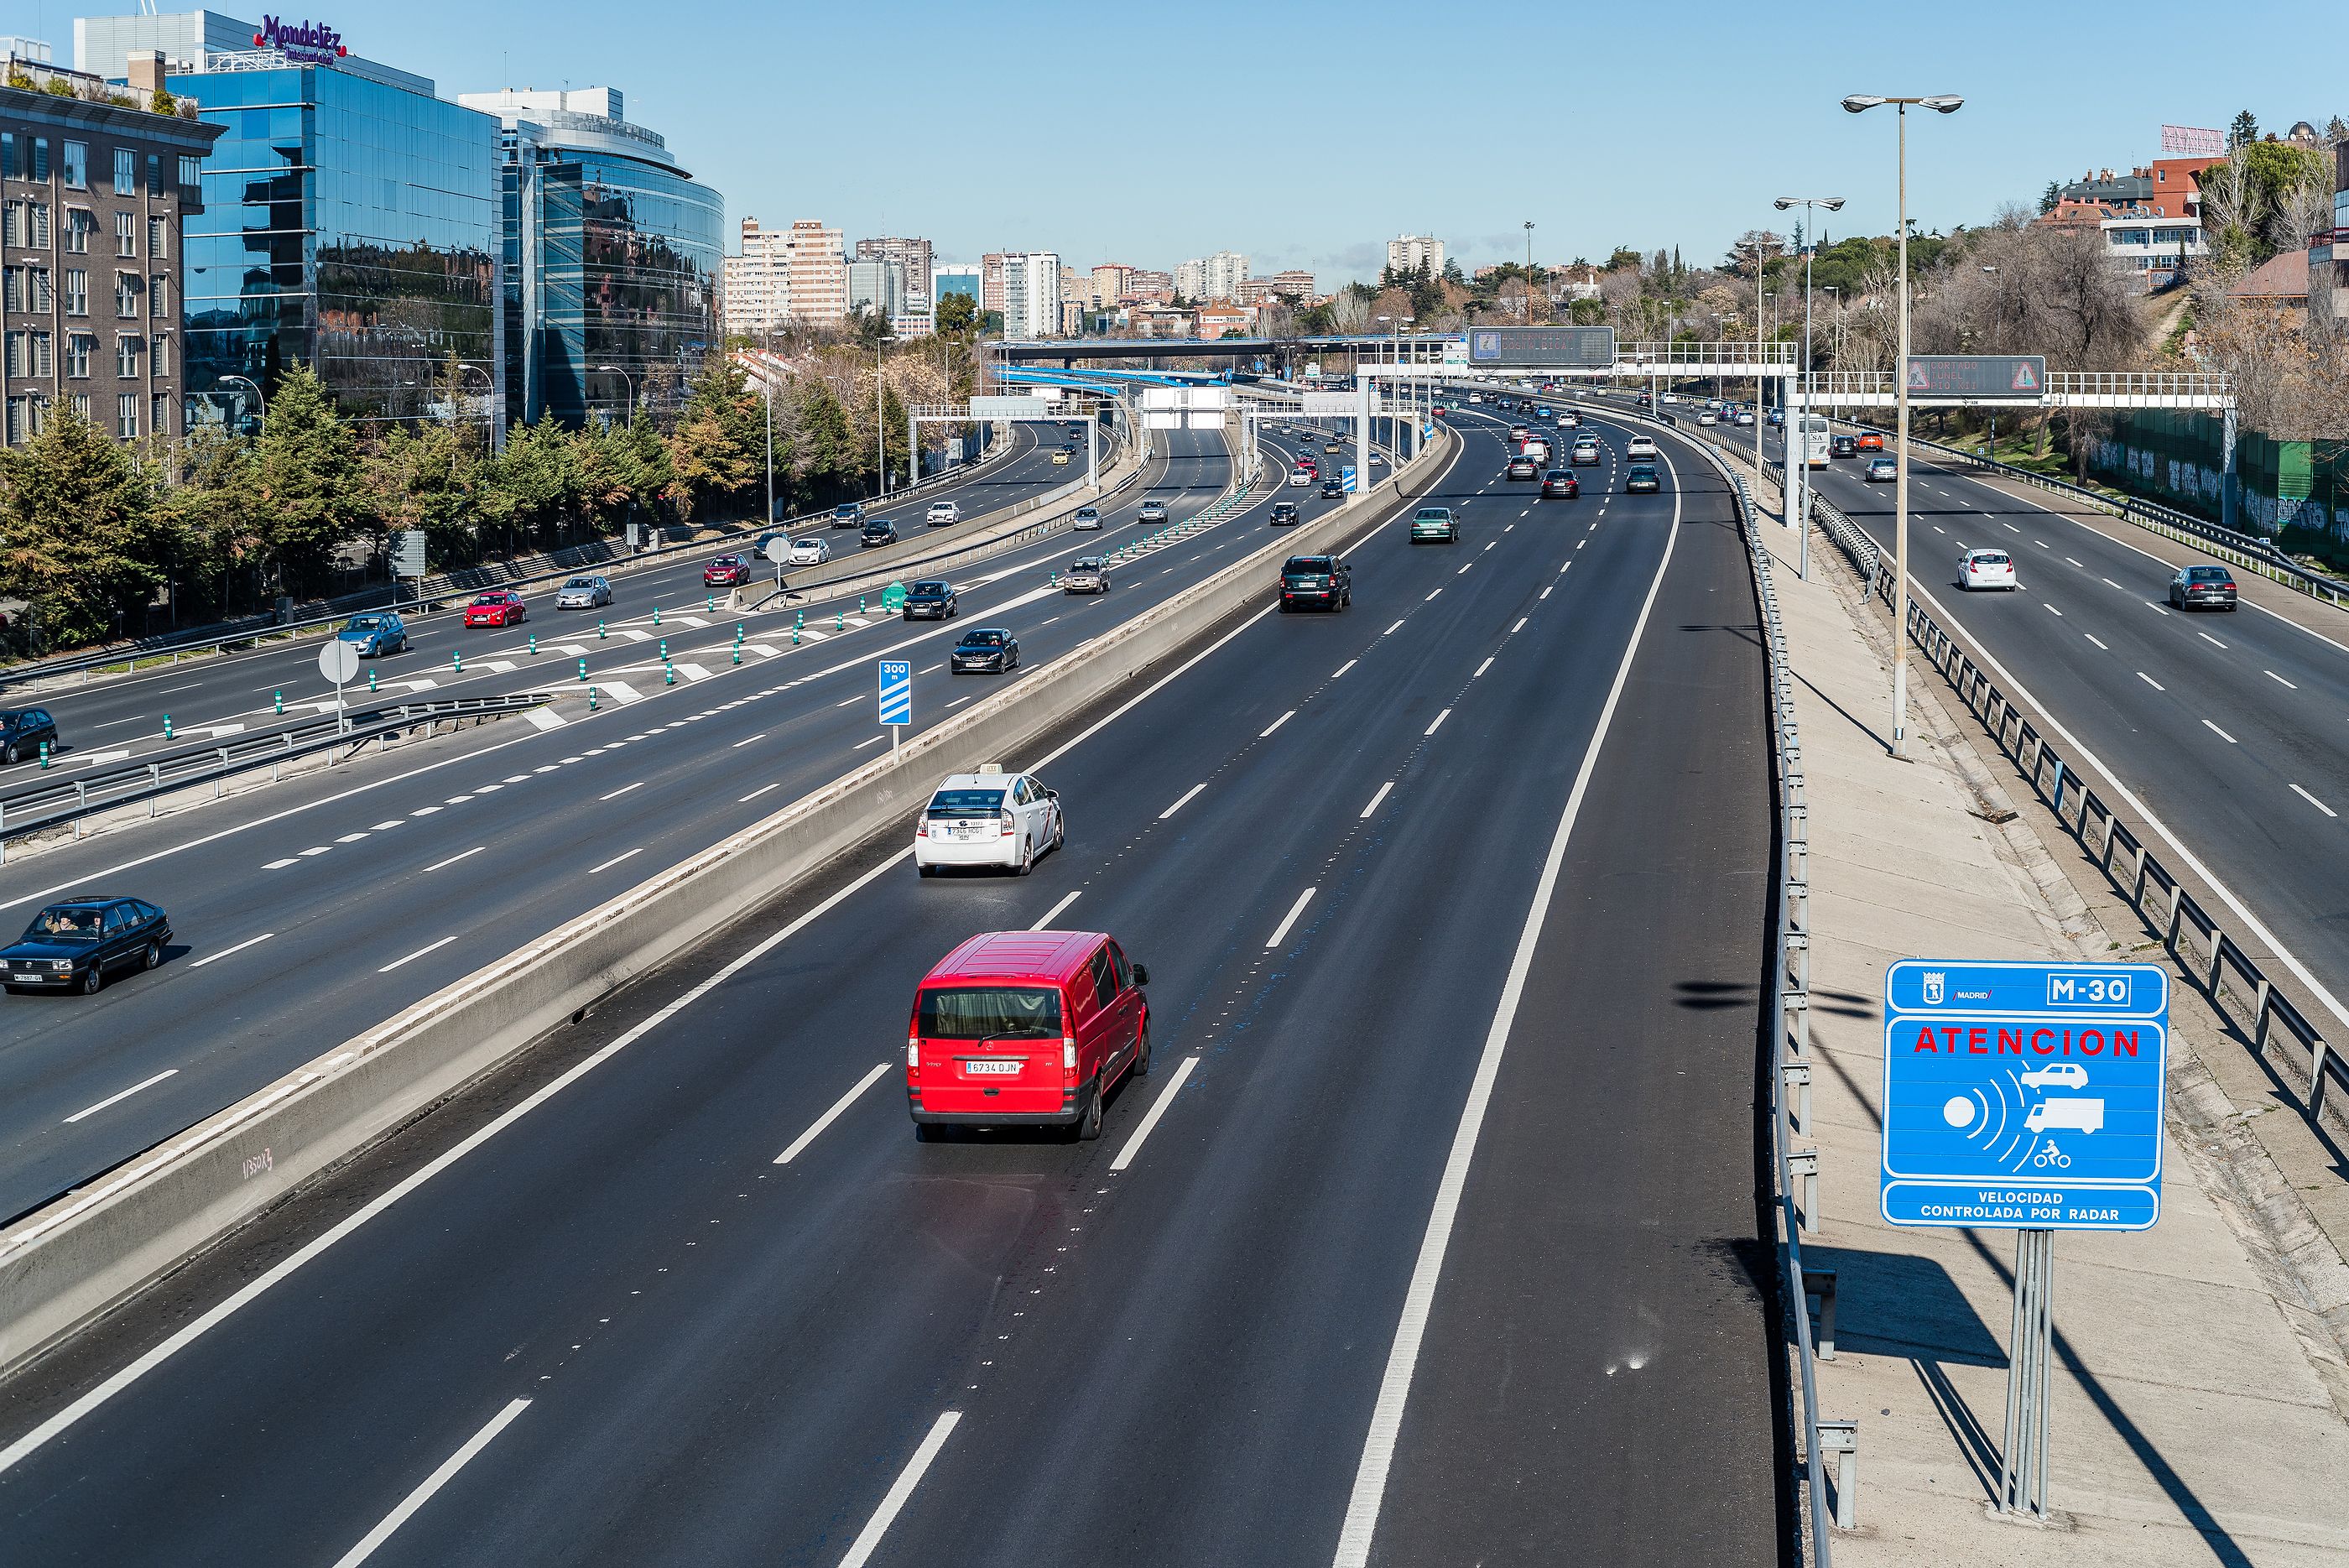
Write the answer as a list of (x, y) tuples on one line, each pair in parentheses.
[(1306, 134)]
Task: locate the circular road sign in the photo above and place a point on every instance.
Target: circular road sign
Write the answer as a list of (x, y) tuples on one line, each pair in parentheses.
[(779, 549), (339, 661)]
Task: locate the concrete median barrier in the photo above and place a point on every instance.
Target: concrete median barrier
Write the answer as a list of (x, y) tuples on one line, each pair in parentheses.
[(67, 1263)]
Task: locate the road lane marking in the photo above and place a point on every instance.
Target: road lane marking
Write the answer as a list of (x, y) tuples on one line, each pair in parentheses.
[(418, 953), (832, 1115), (1437, 725), (2150, 680), (1544, 593), (468, 854), (215, 958), (1378, 797), (145, 1083), (1054, 912), (433, 1483), (760, 791), (1520, 626), (1429, 597), (2091, 638), (2075, 562), (317, 850), (2053, 610), (2110, 583), (2155, 607), (350, 839), (625, 788), (281, 864), (1482, 668), (1352, 662), (1389, 632), (873, 741), (1157, 1109), (383, 826), (860, 1551), (759, 736), (2278, 679), (1465, 565), (2313, 801), (1187, 796), (2220, 733), (1290, 919), (1276, 724), (2209, 639), (615, 860)]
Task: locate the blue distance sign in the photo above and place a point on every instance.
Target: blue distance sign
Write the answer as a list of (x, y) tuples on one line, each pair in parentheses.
[(2024, 1096), (896, 691), (1346, 479)]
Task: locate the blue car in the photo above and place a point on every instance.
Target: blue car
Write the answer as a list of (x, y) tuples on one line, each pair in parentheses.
[(375, 634)]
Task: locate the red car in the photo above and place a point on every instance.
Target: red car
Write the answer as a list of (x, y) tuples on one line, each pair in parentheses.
[(725, 572), (1025, 1029), (1869, 441), (499, 608)]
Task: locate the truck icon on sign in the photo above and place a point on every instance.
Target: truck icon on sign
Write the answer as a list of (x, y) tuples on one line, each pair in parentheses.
[(2081, 1114)]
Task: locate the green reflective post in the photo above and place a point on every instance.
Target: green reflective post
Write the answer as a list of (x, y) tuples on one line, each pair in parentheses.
[(167, 726), (599, 629), (663, 648), (457, 660), (737, 653), (656, 614), (591, 699), (840, 620), (710, 603), (370, 677), (583, 668), (533, 645), (669, 673), (45, 754), (280, 698)]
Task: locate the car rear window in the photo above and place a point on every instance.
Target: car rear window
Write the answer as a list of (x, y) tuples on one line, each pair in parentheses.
[(1987, 559), (979, 1013), (1307, 563), (2208, 574), (966, 802)]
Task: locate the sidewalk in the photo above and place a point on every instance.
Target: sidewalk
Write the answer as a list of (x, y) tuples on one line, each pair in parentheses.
[(2199, 1409)]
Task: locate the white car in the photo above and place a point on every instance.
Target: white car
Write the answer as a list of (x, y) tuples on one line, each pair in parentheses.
[(1300, 477), (585, 593), (2069, 1074), (1640, 446), (1378, 460), (1707, 418), (809, 552), (1986, 569), (1673, 397), (1568, 420), (1087, 519), (943, 513), (992, 818), (1745, 416)]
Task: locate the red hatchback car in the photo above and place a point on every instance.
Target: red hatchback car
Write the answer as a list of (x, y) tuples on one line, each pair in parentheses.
[(499, 608), (1025, 1029), (725, 572)]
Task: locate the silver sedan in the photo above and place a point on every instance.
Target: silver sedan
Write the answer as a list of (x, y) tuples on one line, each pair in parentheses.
[(585, 593), (1087, 576)]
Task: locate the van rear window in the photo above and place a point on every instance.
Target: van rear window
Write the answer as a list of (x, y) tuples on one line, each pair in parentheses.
[(977, 1012)]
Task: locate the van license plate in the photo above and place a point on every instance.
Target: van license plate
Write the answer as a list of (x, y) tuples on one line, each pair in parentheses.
[(989, 1066)]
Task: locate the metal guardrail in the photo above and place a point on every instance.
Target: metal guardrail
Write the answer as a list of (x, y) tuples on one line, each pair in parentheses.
[(2124, 858), (47, 802)]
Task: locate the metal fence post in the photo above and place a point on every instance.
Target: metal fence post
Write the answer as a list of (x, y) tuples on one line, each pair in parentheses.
[(1841, 1438)]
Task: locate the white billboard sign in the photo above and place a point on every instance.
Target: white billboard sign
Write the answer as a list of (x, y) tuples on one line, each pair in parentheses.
[(1162, 418), (1210, 420), (1333, 403), (992, 409)]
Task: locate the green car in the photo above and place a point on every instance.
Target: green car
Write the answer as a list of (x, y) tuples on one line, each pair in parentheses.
[(1641, 477), (1434, 524)]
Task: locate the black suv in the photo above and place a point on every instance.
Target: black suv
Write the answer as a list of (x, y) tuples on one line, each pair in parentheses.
[(22, 730), (1283, 514), (1316, 582), (1843, 446), (930, 601), (986, 648), (876, 533)]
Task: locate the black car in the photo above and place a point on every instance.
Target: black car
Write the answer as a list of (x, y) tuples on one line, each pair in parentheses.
[(1316, 582), (22, 730), (930, 601), (72, 945), (2205, 588), (1560, 484), (1332, 491), (1640, 477), (1284, 513), (1843, 446), (986, 648), (877, 533)]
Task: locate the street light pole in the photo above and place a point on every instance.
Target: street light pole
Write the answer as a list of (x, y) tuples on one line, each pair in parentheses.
[(1800, 465), (1989, 450), (631, 382), (1946, 103), (256, 392)]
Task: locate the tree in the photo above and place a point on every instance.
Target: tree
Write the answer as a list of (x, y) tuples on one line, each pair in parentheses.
[(312, 494), (2051, 198), (956, 314), (425, 478), (2244, 131), (80, 538), (718, 448)]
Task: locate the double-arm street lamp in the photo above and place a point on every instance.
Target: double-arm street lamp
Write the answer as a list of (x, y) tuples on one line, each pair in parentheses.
[(1942, 103), (1796, 443)]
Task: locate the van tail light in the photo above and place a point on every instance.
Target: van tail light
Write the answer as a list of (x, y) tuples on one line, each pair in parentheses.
[(913, 1055), (1069, 1060)]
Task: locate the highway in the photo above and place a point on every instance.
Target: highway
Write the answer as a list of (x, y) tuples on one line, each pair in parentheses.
[(1432, 1236)]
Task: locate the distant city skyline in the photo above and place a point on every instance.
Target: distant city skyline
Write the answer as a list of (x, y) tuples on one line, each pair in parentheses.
[(1595, 157)]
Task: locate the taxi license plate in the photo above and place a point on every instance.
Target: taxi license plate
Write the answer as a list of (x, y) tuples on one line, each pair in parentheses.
[(999, 1067)]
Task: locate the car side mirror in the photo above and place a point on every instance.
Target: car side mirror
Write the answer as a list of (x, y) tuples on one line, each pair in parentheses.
[(1141, 974), (1051, 795)]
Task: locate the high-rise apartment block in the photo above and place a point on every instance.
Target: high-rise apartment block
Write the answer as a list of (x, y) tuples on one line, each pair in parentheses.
[(1408, 253), (1217, 277), (915, 255), (1031, 294)]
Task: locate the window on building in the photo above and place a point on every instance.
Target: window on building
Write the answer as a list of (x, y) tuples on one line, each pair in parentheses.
[(14, 289), (77, 165), (158, 234), (158, 415), (79, 347), (159, 348), (12, 222), (154, 173), (188, 176), (77, 292), (36, 215), (81, 406), (80, 224), (126, 233), (159, 296), (20, 419), (126, 296), (126, 416), (126, 171), (8, 144), (126, 357), (36, 285), (39, 163), (16, 354), (39, 356)]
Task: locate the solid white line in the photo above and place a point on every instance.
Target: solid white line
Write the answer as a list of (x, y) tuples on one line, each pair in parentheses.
[(860, 1551), (2150, 680), (1482, 668), (2278, 679), (144, 1083), (1054, 912), (615, 860), (418, 953), (625, 788), (2313, 801), (1187, 796), (1378, 797), (1349, 664), (469, 853), (1290, 919), (1394, 1388), (433, 1483), (829, 1117), (2220, 733), (214, 958), (1437, 725), (1157, 1108), (1276, 724)]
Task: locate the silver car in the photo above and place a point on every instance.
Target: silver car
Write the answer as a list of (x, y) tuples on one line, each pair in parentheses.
[(584, 593), (1153, 511), (1087, 576), (1087, 518)]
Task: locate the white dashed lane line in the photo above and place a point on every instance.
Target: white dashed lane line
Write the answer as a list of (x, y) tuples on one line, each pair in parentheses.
[(2091, 638), (467, 855), (418, 953), (625, 789), (1276, 724), (2278, 679), (1438, 725), (2150, 680), (1378, 797), (215, 958), (2313, 801), (2209, 639), (1188, 796), (2220, 733)]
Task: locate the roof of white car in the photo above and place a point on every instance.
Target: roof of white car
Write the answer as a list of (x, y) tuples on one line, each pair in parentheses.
[(977, 781)]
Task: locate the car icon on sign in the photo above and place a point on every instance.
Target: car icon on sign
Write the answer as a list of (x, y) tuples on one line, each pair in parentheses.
[(2057, 1075)]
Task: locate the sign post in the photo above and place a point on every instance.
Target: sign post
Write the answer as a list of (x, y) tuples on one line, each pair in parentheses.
[(896, 697), (339, 662), (407, 558), (2028, 1097)]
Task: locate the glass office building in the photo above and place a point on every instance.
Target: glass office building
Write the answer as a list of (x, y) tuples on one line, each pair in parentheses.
[(612, 256)]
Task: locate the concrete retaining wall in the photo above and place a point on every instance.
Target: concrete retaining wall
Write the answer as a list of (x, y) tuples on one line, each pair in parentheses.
[(70, 1260)]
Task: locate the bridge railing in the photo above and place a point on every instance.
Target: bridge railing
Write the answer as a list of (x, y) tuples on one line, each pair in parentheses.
[(2066, 388)]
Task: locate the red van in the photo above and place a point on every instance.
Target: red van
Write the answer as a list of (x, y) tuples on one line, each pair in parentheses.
[(1025, 1029)]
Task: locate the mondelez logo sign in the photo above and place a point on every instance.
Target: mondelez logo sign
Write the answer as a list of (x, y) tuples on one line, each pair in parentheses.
[(312, 43)]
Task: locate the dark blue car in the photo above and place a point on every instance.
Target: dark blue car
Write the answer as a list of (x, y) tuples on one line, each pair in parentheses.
[(74, 944)]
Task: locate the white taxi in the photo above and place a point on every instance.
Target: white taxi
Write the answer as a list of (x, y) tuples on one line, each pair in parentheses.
[(1986, 569), (989, 819)]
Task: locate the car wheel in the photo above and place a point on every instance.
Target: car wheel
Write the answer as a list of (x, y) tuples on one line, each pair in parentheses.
[(94, 978), (10, 753), (926, 870), (925, 1132), (1141, 1068), (1059, 832), (1026, 859), (154, 956), (1089, 1123)]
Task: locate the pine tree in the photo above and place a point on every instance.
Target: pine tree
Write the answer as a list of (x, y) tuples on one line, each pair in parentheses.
[(312, 493), (80, 538), (2244, 131)]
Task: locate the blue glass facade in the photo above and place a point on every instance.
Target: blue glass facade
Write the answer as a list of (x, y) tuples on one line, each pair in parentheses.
[(349, 224)]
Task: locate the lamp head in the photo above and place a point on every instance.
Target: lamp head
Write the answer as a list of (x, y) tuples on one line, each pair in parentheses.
[(1945, 103), (1832, 203), (1783, 202), (1859, 102)]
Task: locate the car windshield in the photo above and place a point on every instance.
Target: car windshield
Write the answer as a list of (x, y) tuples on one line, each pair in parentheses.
[(580, 582), (1090, 564), (490, 599), (1087, 512), (982, 639), (365, 623), (966, 802), (845, 509), (1018, 1012), (928, 589), (64, 922)]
